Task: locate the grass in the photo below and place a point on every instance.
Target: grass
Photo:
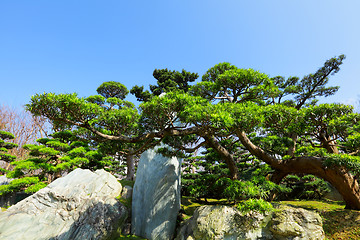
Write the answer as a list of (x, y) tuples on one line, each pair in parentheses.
[(130, 237), (125, 182), (189, 205)]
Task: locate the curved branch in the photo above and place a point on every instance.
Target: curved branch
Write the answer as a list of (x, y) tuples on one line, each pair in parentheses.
[(257, 151), (143, 137)]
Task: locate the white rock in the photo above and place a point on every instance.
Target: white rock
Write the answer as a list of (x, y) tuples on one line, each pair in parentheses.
[(81, 205), (223, 222)]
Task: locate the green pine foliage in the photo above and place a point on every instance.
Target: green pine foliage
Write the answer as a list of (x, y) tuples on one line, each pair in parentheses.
[(259, 205), (244, 116), (5, 146), (304, 187), (19, 184), (54, 156)]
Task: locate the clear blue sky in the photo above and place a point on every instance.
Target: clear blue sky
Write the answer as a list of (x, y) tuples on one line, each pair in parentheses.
[(66, 46)]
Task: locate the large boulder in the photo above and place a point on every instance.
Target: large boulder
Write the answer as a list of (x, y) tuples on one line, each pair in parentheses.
[(223, 222), (156, 196), (81, 205)]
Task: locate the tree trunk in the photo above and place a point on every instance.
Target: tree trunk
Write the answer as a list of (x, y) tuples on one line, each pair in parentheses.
[(276, 177), (228, 157), (130, 164), (329, 145), (347, 185), (339, 177)]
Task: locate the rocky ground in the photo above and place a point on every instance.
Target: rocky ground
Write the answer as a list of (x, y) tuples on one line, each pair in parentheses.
[(338, 223)]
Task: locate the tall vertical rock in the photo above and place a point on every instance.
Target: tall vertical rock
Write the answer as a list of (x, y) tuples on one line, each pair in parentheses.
[(156, 196)]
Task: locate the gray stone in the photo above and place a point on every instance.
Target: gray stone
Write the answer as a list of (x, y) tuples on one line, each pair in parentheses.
[(4, 180), (156, 196), (81, 205), (223, 222), (126, 192), (296, 223)]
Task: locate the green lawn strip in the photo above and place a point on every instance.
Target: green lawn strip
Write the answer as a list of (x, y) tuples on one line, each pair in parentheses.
[(317, 205)]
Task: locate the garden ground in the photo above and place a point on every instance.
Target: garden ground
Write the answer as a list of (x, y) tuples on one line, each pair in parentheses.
[(338, 223)]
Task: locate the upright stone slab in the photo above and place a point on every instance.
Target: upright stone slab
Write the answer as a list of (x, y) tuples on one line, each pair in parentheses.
[(156, 196)]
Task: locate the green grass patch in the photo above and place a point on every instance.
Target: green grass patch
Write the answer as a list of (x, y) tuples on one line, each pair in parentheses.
[(131, 237), (189, 204), (317, 205), (125, 202), (125, 182)]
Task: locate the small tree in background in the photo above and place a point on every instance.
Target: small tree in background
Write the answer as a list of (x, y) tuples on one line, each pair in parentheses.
[(5, 146), (16, 184), (51, 159), (25, 127)]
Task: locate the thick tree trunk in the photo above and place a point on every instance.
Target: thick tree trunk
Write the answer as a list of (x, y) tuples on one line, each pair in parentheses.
[(228, 157), (340, 178), (347, 185), (276, 177)]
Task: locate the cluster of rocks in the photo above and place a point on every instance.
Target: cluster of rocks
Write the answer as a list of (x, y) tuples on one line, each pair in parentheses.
[(85, 205), (224, 222)]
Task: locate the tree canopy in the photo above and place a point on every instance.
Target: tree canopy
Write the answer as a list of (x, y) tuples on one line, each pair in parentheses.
[(231, 110)]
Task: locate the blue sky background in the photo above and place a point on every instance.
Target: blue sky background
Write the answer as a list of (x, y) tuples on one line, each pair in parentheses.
[(74, 45)]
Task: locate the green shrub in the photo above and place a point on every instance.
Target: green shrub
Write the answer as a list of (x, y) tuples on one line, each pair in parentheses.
[(304, 187), (259, 205)]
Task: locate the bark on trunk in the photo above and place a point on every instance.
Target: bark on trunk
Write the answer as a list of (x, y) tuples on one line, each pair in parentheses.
[(276, 177), (130, 164), (329, 145), (228, 157), (342, 180)]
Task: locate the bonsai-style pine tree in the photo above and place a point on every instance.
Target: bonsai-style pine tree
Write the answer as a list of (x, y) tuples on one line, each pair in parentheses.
[(4, 148), (51, 158), (276, 120), (16, 184)]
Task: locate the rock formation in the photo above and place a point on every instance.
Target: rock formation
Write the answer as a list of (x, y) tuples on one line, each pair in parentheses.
[(81, 205), (223, 222), (156, 196)]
